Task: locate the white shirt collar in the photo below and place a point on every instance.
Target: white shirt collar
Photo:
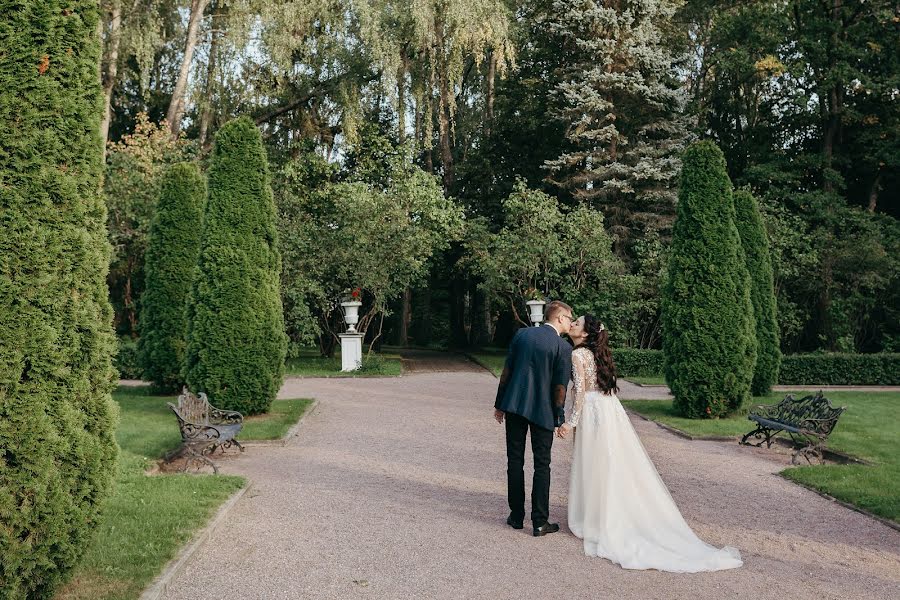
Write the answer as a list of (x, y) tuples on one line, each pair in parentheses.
[(554, 328)]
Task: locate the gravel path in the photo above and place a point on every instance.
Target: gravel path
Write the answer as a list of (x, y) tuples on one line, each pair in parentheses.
[(395, 489)]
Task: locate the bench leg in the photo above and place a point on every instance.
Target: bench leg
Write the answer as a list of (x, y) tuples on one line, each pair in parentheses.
[(194, 456), (763, 434), (813, 449)]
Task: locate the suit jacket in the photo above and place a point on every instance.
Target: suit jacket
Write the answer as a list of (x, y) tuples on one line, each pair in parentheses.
[(535, 377)]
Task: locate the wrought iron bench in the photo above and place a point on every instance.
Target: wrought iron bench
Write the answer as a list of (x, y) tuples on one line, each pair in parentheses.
[(808, 421), (205, 428)]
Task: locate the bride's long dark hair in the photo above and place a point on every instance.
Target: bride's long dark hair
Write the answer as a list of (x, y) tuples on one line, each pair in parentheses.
[(597, 341)]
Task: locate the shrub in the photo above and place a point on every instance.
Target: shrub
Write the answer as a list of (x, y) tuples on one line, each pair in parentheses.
[(57, 449), (762, 291), (709, 343), (126, 361), (840, 369), (171, 258), (236, 340)]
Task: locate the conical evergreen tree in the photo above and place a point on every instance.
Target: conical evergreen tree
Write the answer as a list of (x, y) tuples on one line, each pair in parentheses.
[(762, 291), (236, 339), (171, 258), (623, 106), (57, 449), (709, 342)]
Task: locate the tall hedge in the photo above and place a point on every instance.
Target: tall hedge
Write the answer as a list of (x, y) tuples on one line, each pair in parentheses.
[(709, 343), (57, 449), (762, 291), (236, 339), (171, 257)]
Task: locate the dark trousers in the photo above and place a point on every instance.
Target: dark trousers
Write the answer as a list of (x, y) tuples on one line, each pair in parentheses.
[(541, 442)]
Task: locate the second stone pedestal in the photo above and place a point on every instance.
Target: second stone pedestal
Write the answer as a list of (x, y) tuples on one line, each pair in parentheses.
[(351, 351)]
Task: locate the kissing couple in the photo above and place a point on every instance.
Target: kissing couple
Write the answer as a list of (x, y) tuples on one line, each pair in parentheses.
[(618, 504)]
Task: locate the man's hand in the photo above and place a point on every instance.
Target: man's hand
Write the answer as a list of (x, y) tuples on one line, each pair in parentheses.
[(563, 430), (499, 414)]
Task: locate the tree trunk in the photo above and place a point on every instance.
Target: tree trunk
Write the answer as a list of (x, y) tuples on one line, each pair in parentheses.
[(401, 97), (489, 102), (423, 337), (444, 129), (443, 106), (176, 105), (405, 314), (112, 70), (207, 114), (873, 193)]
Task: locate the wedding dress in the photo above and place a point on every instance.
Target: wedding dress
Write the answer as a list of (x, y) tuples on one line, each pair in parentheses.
[(618, 504)]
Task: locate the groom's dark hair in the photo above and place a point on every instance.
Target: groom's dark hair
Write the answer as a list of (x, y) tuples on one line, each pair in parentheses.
[(554, 308)]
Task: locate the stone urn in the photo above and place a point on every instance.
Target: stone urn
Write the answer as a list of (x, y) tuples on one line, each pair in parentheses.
[(351, 314), (536, 311)]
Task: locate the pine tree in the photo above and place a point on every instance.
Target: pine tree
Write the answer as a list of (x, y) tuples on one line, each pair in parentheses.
[(57, 445), (236, 339), (709, 342), (171, 258), (622, 104), (762, 291)]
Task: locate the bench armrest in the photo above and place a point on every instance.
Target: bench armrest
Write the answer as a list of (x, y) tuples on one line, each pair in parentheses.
[(218, 416)]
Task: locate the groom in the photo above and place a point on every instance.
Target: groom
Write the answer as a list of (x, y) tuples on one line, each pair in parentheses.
[(532, 396)]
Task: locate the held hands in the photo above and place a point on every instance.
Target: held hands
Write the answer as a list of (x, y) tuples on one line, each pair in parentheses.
[(563, 430), (498, 415)]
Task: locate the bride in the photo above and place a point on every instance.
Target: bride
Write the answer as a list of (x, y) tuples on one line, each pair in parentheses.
[(618, 504)]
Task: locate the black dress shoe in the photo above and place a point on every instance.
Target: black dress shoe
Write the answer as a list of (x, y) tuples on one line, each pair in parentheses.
[(545, 529), (513, 523)]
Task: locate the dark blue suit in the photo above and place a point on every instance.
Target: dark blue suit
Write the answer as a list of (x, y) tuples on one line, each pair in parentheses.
[(532, 393)]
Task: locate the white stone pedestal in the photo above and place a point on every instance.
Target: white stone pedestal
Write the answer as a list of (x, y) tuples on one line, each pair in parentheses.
[(351, 351)]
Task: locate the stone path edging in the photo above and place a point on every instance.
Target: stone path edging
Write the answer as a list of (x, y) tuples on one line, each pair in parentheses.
[(862, 511), (157, 588)]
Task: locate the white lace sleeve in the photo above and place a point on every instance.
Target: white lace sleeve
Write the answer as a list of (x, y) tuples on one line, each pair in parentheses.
[(578, 388)]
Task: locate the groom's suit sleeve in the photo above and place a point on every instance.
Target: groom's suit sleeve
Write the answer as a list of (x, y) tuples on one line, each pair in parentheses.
[(562, 372), (507, 370)]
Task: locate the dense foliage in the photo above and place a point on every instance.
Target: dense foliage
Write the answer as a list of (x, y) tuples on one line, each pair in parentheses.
[(374, 227), (236, 340), (134, 169), (171, 258), (762, 292), (57, 450), (581, 100), (709, 342)]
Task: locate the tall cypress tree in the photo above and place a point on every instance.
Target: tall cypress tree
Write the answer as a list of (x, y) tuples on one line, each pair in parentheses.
[(236, 339), (57, 449), (709, 342), (171, 258), (622, 104), (762, 291)]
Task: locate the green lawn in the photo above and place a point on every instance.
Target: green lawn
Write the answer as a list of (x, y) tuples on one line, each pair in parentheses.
[(272, 426), (869, 429), (149, 518), (311, 364), (493, 361)]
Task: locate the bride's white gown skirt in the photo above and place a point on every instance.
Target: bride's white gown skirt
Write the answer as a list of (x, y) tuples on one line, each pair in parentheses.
[(619, 505)]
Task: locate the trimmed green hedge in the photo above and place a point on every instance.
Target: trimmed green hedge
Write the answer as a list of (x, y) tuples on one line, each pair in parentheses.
[(762, 293), (840, 369), (171, 257), (127, 361), (796, 369), (632, 362), (707, 315), (57, 419), (236, 340)]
